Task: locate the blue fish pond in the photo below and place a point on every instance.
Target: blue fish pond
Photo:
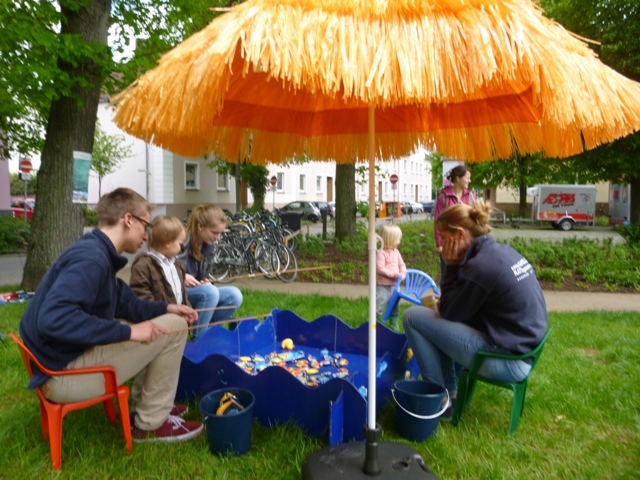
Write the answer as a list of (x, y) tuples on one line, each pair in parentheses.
[(321, 384)]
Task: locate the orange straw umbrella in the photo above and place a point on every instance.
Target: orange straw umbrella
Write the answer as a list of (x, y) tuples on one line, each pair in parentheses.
[(349, 80)]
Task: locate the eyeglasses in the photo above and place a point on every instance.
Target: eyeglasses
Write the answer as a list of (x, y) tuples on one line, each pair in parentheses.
[(147, 225)]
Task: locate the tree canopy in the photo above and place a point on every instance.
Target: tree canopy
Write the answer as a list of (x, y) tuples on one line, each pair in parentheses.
[(54, 63), (614, 24)]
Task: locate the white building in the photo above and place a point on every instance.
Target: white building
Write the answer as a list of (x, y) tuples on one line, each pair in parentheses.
[(175, 183)]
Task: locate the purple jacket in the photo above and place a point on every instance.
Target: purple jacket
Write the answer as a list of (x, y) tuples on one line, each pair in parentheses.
[(445, 199)]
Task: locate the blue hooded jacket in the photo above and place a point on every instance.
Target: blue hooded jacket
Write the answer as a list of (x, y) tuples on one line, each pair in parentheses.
[(75, 305)]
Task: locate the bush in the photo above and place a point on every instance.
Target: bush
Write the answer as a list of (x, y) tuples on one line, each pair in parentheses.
[(311, 245), (14, 234), (631, 233)]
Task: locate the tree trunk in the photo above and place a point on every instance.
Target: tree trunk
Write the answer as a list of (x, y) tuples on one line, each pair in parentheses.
[(345, 201), (523, 198), (57, 221)]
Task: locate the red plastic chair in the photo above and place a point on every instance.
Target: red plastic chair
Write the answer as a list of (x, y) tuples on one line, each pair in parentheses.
[(51, 414)]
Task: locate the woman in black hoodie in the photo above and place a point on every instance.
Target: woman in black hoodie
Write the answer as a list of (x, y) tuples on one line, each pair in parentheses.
[(493, 302)]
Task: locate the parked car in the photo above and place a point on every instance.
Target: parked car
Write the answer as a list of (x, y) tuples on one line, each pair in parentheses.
[(406, 207), (417, 207), (306, 209), (325, 206), (429, 206), (18, 208)]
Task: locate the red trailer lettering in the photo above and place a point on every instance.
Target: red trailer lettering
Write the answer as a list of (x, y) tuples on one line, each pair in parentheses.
[(559, 198)]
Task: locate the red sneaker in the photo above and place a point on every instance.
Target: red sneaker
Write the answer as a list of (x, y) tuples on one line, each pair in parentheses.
[(174, 429), (179, 410), (176, 411)]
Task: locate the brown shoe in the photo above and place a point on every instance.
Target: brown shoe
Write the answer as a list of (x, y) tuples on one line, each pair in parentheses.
[(174, 429)]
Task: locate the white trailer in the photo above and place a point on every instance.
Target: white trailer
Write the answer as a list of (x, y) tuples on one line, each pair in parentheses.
[(564, 205)]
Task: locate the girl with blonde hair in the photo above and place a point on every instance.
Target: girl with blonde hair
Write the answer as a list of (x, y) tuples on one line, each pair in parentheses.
[(205, 225), (493, 302), (155, 275), (389, 267)]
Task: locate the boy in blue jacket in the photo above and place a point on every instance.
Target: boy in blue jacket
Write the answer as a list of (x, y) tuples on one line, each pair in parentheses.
[(71, 323)]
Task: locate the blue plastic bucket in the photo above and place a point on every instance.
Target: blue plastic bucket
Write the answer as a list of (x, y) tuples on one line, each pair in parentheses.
[(228, 434), (419, 405)]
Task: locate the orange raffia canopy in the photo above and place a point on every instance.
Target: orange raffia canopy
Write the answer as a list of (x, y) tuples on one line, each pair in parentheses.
[(476, 79)]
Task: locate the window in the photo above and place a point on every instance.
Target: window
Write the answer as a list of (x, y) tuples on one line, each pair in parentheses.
[(319, 184), (405, 165), (303, 182), (280, 184), (191, 175), (223, 181)]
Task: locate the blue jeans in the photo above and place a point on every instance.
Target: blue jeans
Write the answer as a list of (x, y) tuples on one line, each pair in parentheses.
[(208, 295), (438, 343)]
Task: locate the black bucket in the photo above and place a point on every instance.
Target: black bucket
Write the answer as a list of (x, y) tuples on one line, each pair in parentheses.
[(228, 434), (419, 406)]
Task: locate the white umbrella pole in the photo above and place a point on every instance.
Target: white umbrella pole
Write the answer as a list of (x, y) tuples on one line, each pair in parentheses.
[(371, 394)]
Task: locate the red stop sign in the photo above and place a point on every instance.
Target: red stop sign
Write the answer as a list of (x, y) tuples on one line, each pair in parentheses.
[(274, 180), (25, 165), (393, 179)]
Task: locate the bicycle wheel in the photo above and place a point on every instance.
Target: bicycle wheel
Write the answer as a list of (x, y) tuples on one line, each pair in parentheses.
[(266, 258), (292, 242), (288, 270), (223, 264)]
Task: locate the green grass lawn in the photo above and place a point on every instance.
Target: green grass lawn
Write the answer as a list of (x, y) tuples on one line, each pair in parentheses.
[(581, 419)]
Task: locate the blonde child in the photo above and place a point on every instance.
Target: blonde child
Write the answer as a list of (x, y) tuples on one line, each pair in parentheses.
[(389, 266), (155, 275)]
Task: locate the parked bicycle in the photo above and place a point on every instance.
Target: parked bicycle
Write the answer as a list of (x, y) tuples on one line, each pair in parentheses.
[(252, 243)]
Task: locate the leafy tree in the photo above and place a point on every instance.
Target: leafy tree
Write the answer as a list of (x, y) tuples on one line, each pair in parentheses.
[(54, 61), (255, 177), (436, 160), (108, 153), (521, 172), (614, 24)]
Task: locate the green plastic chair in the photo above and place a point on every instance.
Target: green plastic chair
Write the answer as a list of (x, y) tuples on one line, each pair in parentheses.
[(468, 378)]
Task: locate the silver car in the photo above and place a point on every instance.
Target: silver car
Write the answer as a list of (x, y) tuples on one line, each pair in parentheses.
[(306, 209)]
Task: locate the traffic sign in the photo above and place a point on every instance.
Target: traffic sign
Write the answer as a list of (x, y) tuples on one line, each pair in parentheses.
[(25, 165), (274, 180), (25, 176), (393, 179)]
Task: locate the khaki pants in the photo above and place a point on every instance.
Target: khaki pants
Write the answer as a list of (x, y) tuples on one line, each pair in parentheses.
[(155, 366)]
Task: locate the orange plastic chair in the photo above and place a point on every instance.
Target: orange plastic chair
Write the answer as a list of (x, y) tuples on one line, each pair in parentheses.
[(51, 414)]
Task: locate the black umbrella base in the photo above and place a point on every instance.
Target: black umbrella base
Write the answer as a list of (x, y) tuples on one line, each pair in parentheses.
[(394, 460)]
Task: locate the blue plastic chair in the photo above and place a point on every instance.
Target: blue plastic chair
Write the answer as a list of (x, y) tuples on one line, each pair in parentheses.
[(415, 285)]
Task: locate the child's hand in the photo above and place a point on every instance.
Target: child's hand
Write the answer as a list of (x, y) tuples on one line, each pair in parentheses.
[(185, 311)]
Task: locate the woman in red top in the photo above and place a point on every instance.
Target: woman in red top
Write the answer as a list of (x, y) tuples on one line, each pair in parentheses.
[(457, 192)]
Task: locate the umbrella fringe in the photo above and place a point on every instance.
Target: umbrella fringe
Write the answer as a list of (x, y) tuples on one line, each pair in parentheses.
[(303, 56)]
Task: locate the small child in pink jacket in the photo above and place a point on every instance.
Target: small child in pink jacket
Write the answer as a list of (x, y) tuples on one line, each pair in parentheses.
[(389, 266)]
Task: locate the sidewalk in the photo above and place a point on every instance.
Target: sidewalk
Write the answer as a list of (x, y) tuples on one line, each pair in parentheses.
[(557, 301)]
